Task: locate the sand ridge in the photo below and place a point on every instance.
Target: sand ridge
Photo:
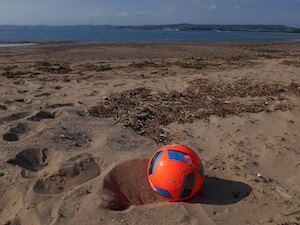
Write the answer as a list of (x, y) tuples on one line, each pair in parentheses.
[(79, 121)]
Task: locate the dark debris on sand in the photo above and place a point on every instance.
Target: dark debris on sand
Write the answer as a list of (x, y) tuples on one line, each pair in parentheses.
[(53, 68), (97, 68), (148, 112)]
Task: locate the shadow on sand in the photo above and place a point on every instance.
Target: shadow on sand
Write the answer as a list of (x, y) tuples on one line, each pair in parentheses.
[(218, 191)]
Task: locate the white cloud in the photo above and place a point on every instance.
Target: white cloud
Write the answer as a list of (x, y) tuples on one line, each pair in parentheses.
[(212, 7), (170, 10), (140, 14), (123, 14), (94, 15), (130, 7)]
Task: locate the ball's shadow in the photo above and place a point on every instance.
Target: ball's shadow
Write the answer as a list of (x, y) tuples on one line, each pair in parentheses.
[(218, 191)]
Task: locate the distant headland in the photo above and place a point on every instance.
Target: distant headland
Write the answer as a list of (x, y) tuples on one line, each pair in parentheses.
[(224, 28), (192, 27)]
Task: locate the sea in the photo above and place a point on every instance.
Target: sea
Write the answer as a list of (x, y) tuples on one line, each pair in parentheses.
[(17, 34)]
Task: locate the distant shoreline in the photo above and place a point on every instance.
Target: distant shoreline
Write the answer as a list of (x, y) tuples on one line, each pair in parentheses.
[(183, 27), (125, 42)]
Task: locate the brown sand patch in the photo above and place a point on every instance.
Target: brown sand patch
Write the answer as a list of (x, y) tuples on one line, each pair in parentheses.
[(127, 184), (293, 63), (74, 172), (11, 203)]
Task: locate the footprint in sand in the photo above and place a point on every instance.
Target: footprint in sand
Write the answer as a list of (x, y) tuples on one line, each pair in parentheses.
[(34, 159), (75, 171), (22, 131), (13, 117), (126, 184), (42, 115)]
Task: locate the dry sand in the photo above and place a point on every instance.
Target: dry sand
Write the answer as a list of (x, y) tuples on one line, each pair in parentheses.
[(79, 121)]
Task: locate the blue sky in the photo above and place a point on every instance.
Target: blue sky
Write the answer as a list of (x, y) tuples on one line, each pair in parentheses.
[(140, 12)]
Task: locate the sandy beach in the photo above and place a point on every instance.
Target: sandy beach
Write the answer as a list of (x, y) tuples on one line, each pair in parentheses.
[(79, 122)]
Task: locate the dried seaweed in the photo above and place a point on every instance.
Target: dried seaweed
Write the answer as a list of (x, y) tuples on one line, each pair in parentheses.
[(148, 112)]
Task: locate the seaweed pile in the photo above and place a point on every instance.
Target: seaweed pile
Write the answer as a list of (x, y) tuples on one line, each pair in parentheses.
[(148, 112)]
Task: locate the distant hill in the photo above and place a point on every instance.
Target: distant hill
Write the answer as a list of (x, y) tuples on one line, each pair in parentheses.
[(189, 27), (244, 28)]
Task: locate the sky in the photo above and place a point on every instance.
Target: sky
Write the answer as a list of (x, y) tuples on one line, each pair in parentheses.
[(146, 12)]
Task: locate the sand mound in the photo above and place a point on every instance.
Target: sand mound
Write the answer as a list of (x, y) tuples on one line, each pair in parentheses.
[(33, 159), (73, 172), (127, 184)]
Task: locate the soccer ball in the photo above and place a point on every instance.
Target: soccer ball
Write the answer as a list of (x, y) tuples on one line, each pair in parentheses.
[(175, 173)]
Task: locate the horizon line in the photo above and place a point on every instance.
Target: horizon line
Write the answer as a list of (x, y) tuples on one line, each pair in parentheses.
[(151, 25)]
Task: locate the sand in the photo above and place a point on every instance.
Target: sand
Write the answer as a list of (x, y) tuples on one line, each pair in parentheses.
[(79, 122)]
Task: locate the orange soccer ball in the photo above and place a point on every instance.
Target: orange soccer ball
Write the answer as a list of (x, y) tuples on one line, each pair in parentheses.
[(175, 173)]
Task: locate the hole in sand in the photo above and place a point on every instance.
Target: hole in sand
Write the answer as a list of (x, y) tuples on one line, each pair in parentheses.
[(33, 159), (127, 184), (10, 137), (74, 172)]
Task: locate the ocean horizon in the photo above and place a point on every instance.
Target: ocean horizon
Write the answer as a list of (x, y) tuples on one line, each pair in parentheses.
[(94, 33)]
